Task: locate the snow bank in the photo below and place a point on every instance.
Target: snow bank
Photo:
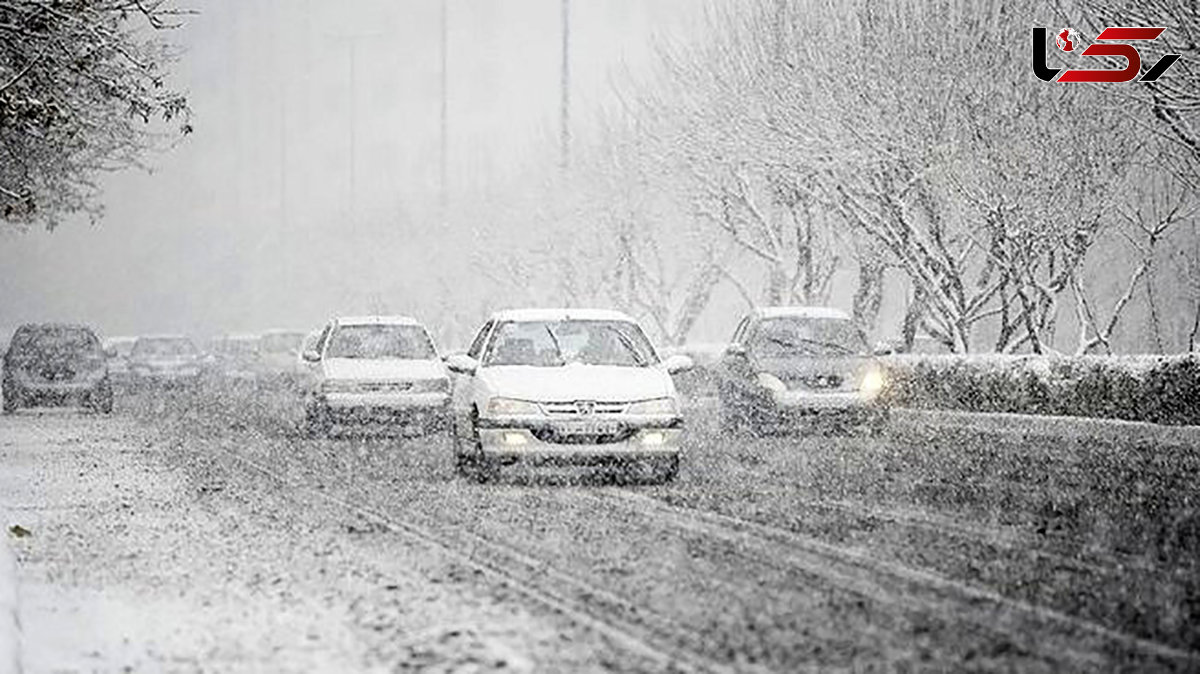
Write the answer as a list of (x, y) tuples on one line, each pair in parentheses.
[(10, 626), (1157, 389)]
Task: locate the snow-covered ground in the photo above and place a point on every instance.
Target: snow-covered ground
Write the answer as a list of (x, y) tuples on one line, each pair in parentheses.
[(209, 534)]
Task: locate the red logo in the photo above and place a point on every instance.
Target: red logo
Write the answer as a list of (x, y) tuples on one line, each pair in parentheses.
[(1105, 45), (1064, 39)]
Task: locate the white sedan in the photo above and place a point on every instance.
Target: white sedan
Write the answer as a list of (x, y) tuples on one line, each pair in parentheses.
[(380, 371), (567, 387)]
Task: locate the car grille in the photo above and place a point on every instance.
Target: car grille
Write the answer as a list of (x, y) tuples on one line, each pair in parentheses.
[(557, 437), (820, 382), (383, 386), (584, 408)]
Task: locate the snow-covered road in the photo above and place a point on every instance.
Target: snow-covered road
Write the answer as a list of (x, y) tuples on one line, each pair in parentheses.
[(206, 533)]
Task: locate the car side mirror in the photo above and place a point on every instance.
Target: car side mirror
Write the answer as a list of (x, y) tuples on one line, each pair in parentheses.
[(678, 363), (736, 349), (311, 356), (460, 363)]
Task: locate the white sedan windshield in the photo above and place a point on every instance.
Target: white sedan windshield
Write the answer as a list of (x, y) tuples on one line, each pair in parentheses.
[(555, 343), (371, 342)]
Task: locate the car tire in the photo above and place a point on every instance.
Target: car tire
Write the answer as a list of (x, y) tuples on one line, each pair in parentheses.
[(11, 402), (478, 466), (667, 470), (316, 421), (12, 397), (101, 399), (732, 420)]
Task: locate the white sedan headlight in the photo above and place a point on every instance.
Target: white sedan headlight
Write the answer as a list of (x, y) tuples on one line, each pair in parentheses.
[(771, 382), (872, 383), (654, 406), (512, 407)]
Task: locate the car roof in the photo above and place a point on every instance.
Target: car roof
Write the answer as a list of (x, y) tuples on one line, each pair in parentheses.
[(240, 338), (122, 339), (527, 315), (283, 332), (801, 312), (164, 336), (376, 320)]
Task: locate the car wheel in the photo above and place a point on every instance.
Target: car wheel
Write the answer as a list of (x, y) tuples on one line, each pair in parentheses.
[(101, 399), (483, 469), (732, 419), (316, 421), (11, 402), (668, 470)]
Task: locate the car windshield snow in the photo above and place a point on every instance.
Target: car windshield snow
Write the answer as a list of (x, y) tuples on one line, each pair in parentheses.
[(163, 347), (556, 343), (779, 337), (371, 342)]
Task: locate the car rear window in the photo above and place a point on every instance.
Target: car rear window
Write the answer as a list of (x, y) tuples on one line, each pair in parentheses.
[(56, 340)]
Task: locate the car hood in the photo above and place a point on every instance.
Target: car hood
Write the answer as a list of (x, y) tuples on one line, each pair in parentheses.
[(392, 369), (576, 381), (848, 367)]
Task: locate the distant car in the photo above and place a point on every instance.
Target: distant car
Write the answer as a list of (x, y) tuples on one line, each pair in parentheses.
[(237, 358), (786, 364), (54, 363), (117, 349), (165, 360), (580, 387), (380, 372), (279, 356)]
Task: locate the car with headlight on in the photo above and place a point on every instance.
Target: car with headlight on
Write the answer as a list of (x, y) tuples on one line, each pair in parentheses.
[(165, 360), (58, 364), (375, 373), (567, 387), (787, 365)]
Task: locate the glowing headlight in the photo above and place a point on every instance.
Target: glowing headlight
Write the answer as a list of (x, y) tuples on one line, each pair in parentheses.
[(512, 407), (872, 384), (514, 439), (654, 438), (655, 406), (771, 382)]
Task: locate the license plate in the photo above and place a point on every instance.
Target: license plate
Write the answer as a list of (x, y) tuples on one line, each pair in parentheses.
[(589, 428)]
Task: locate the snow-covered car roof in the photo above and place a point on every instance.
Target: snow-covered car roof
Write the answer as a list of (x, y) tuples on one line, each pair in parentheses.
[(113, 341), (376, 320), (526, 315), (801, 312)]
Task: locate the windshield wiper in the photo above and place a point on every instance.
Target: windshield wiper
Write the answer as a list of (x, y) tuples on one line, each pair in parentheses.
[(802, 341), (557, 347)]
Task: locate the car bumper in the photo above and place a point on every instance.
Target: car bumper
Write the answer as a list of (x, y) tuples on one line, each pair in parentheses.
[(427, 410), (551, 443)]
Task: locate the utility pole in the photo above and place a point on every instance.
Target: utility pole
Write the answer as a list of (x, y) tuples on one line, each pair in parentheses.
[(565, 110), (443, 192), (372, 273)]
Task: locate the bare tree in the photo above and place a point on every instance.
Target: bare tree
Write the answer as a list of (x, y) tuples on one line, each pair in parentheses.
[(80, 84)]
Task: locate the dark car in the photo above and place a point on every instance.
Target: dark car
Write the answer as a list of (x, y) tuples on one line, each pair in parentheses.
[(56, 363), (786, 365)]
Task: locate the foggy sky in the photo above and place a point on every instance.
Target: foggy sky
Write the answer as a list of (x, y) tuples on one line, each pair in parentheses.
[(254, 222)]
